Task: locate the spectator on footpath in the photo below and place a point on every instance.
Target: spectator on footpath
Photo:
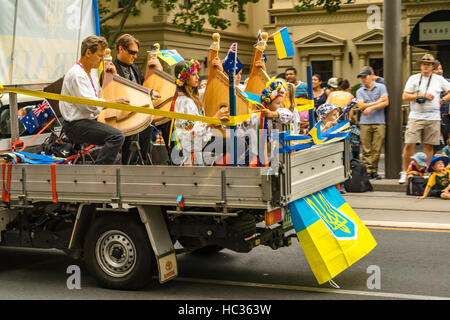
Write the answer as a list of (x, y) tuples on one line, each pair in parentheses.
[(438, 184), (372, 99), (422, 91), (290, 74), (375, 78), (341, 96), (320, 96), (446, 149), (418, 165), (445, 116), (332, 85)]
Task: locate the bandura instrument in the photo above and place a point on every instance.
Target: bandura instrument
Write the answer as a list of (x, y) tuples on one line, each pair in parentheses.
[(217, 88), (162, 82), (258, 77), (115, 86)]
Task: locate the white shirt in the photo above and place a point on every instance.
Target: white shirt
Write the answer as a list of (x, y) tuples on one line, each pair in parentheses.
[(430, 110), (77, 83), (193, 135)]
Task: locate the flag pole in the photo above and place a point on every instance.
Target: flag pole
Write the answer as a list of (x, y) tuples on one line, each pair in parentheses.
[(310, 96), (232, 94)]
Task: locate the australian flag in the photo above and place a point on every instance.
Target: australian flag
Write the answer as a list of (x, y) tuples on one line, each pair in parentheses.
[(37, 116), (228, 63)]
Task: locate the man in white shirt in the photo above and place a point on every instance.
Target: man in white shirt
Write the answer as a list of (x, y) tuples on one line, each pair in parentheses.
[(80, 124), (423, 91)]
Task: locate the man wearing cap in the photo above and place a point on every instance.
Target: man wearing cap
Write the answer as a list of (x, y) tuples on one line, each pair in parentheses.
[(422, 91), (372, 98), (375, 78)]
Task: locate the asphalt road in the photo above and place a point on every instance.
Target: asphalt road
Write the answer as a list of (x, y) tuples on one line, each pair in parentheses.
[(413, 264)]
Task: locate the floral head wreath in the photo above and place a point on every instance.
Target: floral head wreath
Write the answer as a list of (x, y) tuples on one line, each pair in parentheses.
[(274, 88), (190, 67)]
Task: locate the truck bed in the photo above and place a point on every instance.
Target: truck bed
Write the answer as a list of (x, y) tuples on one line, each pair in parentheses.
[(302, 173)]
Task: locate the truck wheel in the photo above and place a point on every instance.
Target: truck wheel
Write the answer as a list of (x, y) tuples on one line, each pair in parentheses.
[(118, 253)]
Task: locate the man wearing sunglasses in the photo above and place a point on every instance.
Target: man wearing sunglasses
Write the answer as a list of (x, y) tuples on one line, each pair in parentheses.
[(127, 49)]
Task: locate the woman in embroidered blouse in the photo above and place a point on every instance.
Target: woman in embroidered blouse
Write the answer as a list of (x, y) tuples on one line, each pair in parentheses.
[(193, 135)]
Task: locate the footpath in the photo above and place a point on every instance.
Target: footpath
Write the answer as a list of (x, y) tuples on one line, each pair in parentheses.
[(389, 206)]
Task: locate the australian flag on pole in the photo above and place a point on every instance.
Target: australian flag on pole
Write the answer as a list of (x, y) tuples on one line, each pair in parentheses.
[(228, 63), (37, 116)]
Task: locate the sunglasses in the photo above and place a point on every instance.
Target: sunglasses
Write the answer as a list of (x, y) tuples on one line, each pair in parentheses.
[(132, 52)]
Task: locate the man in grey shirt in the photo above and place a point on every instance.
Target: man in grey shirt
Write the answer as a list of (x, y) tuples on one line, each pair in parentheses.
[(372, 99)]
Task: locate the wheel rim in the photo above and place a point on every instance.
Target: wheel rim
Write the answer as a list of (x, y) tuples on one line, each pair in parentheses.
[(115, 253)]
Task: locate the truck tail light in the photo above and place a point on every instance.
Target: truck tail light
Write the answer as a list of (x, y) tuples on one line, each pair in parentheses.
[(273, 217)]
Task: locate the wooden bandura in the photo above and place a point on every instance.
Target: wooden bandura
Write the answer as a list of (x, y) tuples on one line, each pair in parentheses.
[(217, 88), (258, 76), (162, 82), (129, 123)]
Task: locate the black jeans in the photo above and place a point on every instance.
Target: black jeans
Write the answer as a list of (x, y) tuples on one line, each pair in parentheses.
[(94, 132)]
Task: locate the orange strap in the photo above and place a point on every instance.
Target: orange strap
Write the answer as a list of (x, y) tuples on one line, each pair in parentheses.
[(38, 134), (85, 150), (53, 175)]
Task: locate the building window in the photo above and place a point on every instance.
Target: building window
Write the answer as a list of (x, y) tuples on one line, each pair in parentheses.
[(271, 17), (377, 65), (323, 68)]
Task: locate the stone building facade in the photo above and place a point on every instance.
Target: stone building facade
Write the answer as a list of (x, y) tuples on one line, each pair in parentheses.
[(337, 44)]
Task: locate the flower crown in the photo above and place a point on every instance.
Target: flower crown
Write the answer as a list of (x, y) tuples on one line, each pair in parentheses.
[(190, 67), (274, 88)]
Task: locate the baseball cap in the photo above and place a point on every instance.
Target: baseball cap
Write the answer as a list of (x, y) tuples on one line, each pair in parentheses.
[(333, 82), (365, 72)]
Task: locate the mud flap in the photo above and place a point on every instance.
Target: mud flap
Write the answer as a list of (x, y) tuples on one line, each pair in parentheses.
[(160, 240)]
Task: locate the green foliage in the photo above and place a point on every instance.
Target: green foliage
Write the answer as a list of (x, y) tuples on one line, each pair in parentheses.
[(329, 5), (191, 15)]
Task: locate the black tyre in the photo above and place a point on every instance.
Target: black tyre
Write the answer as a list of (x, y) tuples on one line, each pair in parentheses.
[(118, 253)]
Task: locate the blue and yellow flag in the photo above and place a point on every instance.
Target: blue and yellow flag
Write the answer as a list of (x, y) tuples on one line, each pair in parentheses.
[(283, 43), (253, 98), (170, 56), (331, 234)]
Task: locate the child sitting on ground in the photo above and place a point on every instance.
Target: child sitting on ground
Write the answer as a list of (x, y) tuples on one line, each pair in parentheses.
[(418, 165), (328, 114), (438, 184)]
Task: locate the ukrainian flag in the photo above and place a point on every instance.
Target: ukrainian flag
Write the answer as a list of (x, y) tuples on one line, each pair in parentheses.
[(169, 57), (253, 98), (331, 234), (283, 43)]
